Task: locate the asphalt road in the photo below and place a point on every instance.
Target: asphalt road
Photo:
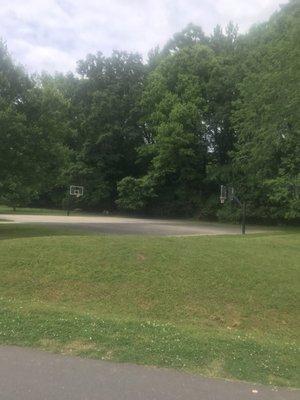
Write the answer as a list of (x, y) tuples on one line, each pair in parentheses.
[(135, 226), (27, 374)]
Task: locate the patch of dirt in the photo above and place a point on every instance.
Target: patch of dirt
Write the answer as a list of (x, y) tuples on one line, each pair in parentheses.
[(141, 257), (108, 355), (215, 368), (72, 348), (77, 346), (50, 344)]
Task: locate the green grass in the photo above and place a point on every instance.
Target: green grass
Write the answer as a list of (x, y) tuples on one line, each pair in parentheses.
[(14, 231), (222, 306), (38, 211), (27, 210)]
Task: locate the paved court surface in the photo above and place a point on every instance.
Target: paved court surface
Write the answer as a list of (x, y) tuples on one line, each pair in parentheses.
[(27, 374), (136, 226)]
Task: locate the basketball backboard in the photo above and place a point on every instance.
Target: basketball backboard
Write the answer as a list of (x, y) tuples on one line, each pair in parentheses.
[(76, 190)]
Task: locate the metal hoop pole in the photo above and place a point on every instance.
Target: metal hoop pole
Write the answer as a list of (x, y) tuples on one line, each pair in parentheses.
[(243, 218), (69, 204)]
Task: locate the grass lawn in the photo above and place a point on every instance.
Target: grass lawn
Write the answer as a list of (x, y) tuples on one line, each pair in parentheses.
[(37, 211), (27, 210), (14, 231), (223, 306)]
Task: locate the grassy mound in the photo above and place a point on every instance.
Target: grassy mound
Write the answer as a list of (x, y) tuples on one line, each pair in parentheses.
[(222, 306)]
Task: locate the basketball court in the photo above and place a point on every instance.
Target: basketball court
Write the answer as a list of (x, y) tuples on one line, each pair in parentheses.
[(133, 226), (105, 224)]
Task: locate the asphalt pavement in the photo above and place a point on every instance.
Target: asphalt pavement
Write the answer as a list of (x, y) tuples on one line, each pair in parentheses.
[(131, 226), (27, 374)]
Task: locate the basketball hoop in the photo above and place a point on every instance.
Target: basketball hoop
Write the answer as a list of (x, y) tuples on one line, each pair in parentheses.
[(223, 194), (76, 191), (229, 192)]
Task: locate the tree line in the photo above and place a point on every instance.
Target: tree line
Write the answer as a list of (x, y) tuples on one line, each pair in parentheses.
[(159, 137)]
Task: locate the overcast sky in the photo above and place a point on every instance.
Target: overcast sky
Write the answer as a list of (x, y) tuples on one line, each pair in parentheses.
[(52, 35)]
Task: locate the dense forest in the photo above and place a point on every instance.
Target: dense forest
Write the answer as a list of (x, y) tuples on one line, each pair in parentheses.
[(159, 137)]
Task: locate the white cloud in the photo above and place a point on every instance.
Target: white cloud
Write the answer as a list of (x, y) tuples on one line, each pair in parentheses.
[(54, 34)]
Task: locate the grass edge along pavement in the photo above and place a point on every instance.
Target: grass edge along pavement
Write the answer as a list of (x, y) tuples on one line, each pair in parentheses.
[(231, 356), (60, 322)]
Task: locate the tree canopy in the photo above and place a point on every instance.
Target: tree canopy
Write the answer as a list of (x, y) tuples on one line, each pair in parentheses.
[(159, 137)]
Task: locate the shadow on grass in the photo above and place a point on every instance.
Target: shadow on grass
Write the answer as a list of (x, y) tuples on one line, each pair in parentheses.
[(15, 231)]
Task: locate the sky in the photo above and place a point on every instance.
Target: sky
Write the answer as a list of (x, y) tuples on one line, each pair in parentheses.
[(51, 35)]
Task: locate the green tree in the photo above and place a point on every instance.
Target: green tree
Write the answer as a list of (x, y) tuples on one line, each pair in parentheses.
[(189, 36), (267, 154), (32, 130), (14, 160), (108, 126), (175, 143)]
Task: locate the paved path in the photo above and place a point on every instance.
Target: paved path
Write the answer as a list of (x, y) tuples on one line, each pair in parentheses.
[(27, 374), (121, 225)]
